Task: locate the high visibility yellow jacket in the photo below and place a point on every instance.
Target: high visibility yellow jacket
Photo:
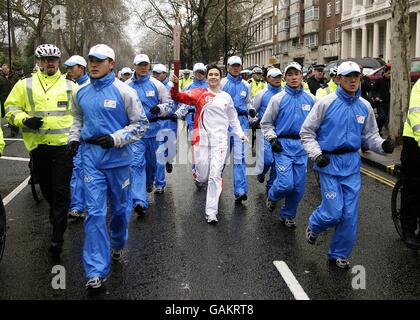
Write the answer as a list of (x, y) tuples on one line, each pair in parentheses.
[(2, 144), (47, 97), (184, 82), (412, 124), (257, 86), (322, 92)]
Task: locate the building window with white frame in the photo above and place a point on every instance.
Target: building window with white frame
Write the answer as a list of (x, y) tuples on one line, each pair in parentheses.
[(337, 34), (311, 40), (294, 20), (284, 25), (328, 36), (329, 9), (312, 13), (337, 6)]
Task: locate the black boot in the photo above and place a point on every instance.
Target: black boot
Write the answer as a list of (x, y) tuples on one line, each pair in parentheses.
[(410, 240)]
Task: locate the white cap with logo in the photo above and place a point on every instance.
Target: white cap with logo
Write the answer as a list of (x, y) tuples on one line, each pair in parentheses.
[(293, 65), (159, 68), (274, 72), (75, 60), (234, 60), (141, 58), (126, 70), (102, 51), (199, 67), (348, 67)]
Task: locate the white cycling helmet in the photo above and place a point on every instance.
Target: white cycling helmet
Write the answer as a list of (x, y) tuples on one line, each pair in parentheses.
[(47, 50), (333, 71)]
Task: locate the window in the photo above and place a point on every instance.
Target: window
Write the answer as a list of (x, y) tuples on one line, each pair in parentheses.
[(312, 13), (329, 9), (283, 47), (283, 4), (284, 25), (294, 20), (337, 6), (337, 34), (311, 40), (328, 36)]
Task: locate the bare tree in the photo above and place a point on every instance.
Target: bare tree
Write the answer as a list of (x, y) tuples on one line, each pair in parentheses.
[(400, 80)]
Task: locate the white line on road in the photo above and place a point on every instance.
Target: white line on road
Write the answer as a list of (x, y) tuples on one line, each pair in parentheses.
[(15, 192), (12, 139), (291, 281), (15, 158)]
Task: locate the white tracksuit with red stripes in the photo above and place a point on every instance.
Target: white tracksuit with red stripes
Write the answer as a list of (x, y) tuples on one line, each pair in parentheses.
[(215, 112)]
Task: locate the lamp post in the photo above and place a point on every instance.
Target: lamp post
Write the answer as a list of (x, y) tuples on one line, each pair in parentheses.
[(9, 32), (177, 41)]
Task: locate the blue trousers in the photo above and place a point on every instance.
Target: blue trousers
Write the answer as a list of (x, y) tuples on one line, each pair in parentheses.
[(76, 184), (265, 159), (138, 174), (166, 153), (99, 184), (289, 182), (339, 210), (239, 165)]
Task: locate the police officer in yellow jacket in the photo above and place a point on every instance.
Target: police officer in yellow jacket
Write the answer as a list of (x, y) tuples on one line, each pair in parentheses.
[(330, 87), (2, 144), (410, 171), (42, 106), (257, 82)]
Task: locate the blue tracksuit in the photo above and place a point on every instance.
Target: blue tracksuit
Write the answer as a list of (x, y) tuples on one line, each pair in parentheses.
[(241, 94), (265, 159), (76, 183), (166, 152), (339, 124), (106, 106), (283, 120), (143, 168)]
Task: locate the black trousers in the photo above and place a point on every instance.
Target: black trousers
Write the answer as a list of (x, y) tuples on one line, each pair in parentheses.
[(410, 178), (53, 167)]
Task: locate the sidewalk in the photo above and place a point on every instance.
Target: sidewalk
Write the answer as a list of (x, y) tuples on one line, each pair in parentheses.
[(383, 163)]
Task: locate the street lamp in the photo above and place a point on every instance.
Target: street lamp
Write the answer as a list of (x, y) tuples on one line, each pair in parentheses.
[(177, 40), (9, 33)]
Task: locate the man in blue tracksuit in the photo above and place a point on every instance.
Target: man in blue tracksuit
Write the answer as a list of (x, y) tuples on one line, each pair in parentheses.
[(107, 116), (76, 70), (336, 128), (265, 159), (281, 125), (167, 136), (154, 98), (241, 93)]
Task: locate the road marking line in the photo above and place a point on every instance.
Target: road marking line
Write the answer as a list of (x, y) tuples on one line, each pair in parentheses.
[(377, 177), (291, 281), (15, 192), (15, 158), (12, 139)]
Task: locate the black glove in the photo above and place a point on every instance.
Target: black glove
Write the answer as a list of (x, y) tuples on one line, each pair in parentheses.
[(388, 146), (105, 141), (72, 148), (256, 125), (276, 146), (33, 123), (155, 110), (322, 161), (252, 113), (173, 117)]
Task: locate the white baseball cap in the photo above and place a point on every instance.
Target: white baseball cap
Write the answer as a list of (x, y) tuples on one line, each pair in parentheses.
[(126, 70), (102, 51), (234, 60), (247, 71), (274, 72), (159, 68), (75, 60), (348, 67), (141, 58), (199, 67), (293, 65)]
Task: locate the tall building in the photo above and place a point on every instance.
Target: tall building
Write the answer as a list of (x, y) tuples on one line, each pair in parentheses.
[(366, 29)]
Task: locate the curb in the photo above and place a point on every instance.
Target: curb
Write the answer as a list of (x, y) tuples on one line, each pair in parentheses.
[(390, 169)]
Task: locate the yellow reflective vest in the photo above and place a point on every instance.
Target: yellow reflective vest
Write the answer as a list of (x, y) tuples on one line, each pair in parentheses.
[(184, 82), (2, 144), (257, 86), (47, 97), (322, 92), (412, 124)]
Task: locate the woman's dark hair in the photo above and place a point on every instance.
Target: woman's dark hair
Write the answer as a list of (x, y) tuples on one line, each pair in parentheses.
[(213, 66)]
